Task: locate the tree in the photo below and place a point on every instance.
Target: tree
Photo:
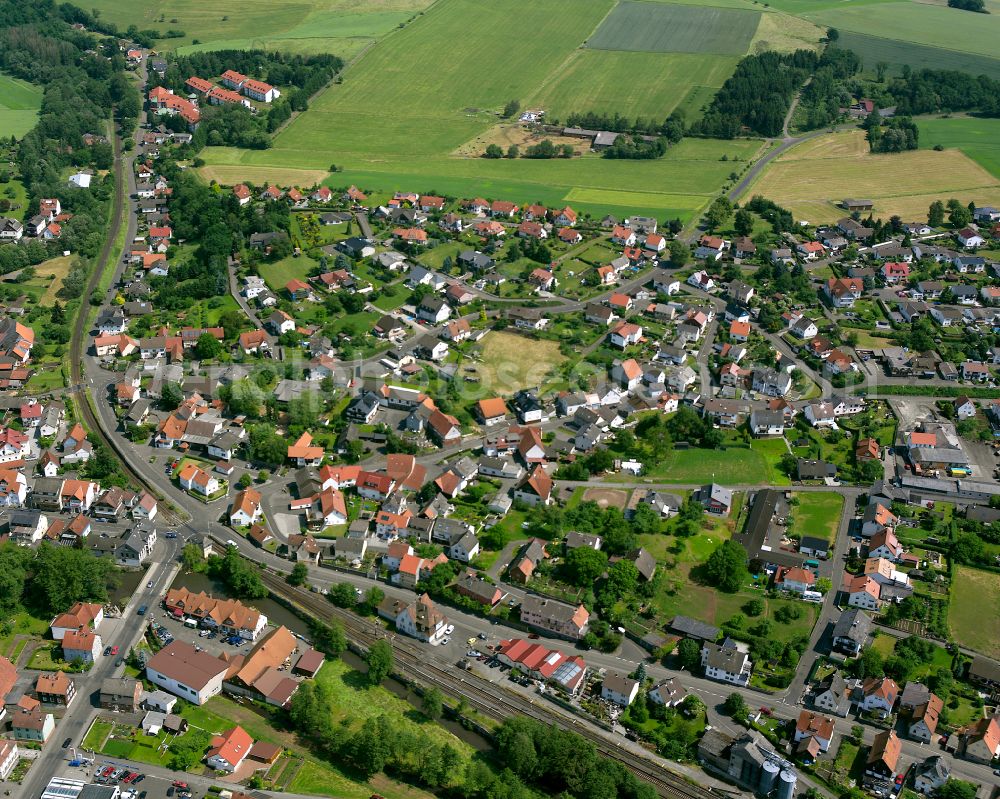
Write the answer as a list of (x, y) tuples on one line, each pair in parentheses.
[(299, 574), (192, 557), (584, 565), (957, 789), (328, 638), (207, 347), (718, 212), (832, 34), (680, 253), (645, 520), (513, 151), (754, 607), (432, 704), (186, 751), (726, 567), (623, 577), (379, 660), (511, 108), (935, 214), (736, 706), (493, 151), (171, 396), (689, 654), (960, 216), (343, 595), (743, 222)]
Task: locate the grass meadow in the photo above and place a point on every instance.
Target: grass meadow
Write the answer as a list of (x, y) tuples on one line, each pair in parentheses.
[(977, 138), (343, 27), (919, 23), (896, 53), (630, 83), (817, 514), (19, 104), (812, 178), (974, 610)]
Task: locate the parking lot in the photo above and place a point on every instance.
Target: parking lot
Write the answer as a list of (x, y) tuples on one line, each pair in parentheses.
[(141, 786), (210, 642)]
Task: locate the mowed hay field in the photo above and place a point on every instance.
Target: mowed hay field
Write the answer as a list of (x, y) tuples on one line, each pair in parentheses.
[(342, 27), (974, 610), (19, 104), (813, 177), (510, 362)]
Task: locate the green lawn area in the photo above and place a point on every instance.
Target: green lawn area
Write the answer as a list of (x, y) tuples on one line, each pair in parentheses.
[(817, 513), (44, 658), (277, 273), (21, 624), (735, 465), (96, 734), (19, 104), (974, 610)]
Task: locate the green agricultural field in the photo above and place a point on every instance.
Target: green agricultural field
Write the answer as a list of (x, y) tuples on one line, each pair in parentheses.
[(895, 53), (919, 23), (631, 83), (298, 26), (665, 28), (977, 138), (389, 127), (974, 610), (19, 104), (817, 514)]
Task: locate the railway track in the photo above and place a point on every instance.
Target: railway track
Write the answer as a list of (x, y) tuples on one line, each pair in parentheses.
[(106, 261), (481, 694)]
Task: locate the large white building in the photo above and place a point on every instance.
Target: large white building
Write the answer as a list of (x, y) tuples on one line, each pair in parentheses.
[(184, 671)]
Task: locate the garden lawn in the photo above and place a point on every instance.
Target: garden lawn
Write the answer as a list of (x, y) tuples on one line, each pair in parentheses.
[(817, 514), (974, 610), (277, 273), (735, 465)]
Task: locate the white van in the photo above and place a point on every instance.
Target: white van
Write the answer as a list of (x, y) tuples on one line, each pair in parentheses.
[(192, 623)]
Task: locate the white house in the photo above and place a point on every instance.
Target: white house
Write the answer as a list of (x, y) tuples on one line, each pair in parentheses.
[(726, 662), (619, 688)]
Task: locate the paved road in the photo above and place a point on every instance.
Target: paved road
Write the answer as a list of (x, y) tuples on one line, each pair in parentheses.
[(124, 633)]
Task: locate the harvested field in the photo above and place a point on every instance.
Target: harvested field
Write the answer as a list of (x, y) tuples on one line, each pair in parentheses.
[(511, 362), (812, 178)]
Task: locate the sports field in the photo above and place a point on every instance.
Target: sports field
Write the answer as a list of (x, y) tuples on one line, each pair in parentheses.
[(974, 610), (630, 83), (817, 514), (813, 177), (667, 28), (977, 138), (342, 27), (19, 104), (895, 53)]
